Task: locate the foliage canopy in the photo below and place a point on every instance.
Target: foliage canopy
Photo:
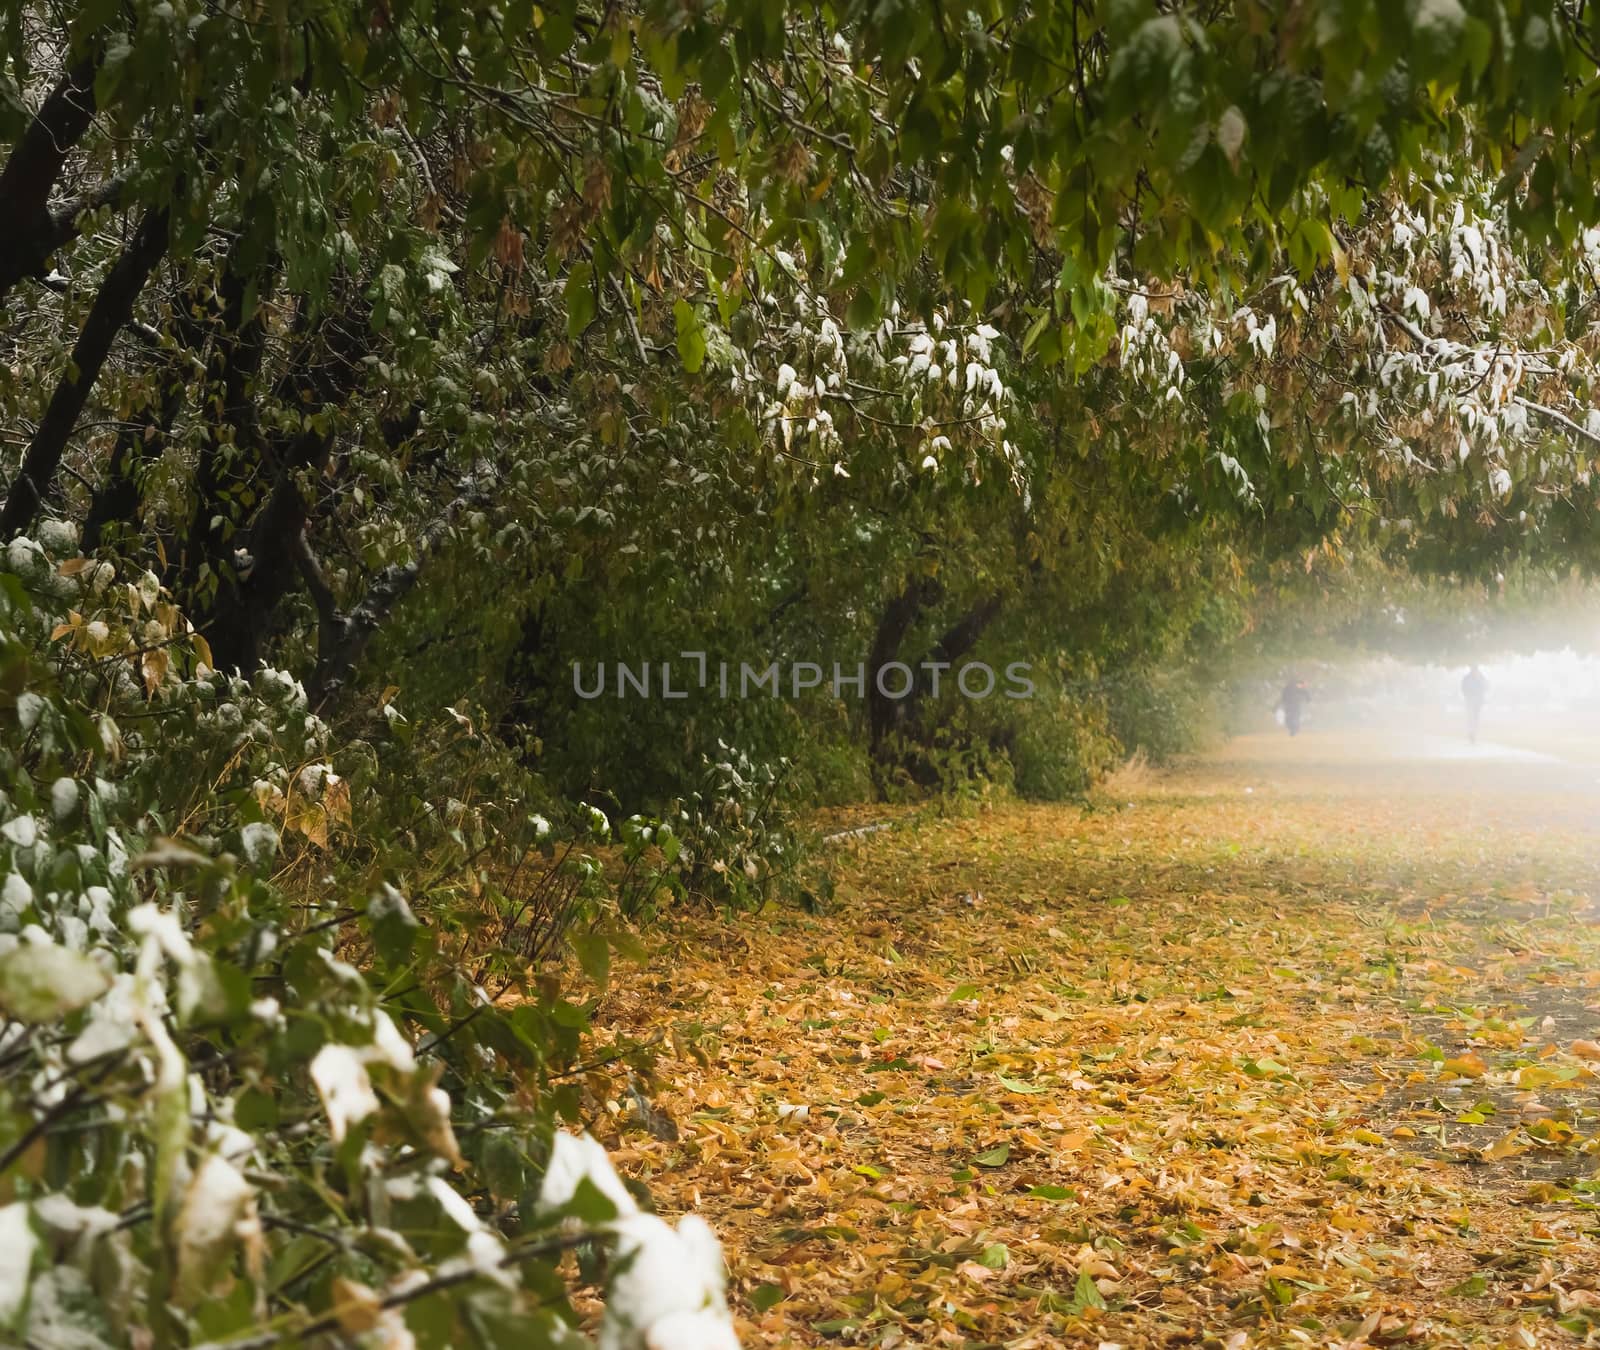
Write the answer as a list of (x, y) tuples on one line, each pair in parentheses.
[(368, 365)]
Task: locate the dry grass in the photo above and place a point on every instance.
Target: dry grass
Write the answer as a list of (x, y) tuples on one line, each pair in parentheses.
[(1130, 778)]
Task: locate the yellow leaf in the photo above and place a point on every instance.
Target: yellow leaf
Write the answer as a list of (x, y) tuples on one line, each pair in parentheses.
[(1506, 1146), (1341, 263), (309, 819), (1470, 1065), (336, 800), (427, 1107), (154, 666), (356, 1306)]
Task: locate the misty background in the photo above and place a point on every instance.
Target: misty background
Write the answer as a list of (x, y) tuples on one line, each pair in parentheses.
[(1544, 703)]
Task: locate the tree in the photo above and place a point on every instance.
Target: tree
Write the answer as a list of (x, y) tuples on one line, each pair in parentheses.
[(393, 358)]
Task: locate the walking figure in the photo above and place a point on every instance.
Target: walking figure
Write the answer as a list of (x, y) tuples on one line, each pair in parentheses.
[(1292, 703), (1474, 690)]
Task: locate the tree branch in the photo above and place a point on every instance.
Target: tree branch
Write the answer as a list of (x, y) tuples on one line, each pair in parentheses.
[(148, 334), (29, 231), (1541, 410), (387, 590), (112, 308), (447, 1279), (117, 499), (330, 623)]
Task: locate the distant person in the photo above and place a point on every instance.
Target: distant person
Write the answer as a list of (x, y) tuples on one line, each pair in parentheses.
[(1474, 691), (1292, 704)]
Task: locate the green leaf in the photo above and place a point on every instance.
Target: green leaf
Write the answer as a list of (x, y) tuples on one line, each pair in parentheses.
[(1310, 246), (863, 308), (1231, 128), (671, 846), (223, 1314), (1085, 1294), (394, 926), (765, 1297), (113, 66), (580, 298), (255, 1110), (1473, 1284), (40, 983), (1017, 1085), (594, 955), (590, 1204), (995, 1256), (1034, 329), (1048, 1192), (691, 336), (994, 1157), (502, 1165)]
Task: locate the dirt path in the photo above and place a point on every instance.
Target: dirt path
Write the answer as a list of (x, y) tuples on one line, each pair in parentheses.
[(1293, 1048)]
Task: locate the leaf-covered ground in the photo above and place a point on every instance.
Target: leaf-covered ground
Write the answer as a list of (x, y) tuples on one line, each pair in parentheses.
[(1294, 1046)]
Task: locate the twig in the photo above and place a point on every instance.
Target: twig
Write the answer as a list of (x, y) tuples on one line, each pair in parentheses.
[(448, 1280)]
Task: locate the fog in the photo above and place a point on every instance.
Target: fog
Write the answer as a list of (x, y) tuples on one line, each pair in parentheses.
[(1542, 706)]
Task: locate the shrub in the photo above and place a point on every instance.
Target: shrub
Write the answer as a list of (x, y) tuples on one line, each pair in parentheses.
[(1162, 714), (740, 845), (254, 1072), (1061, 744)]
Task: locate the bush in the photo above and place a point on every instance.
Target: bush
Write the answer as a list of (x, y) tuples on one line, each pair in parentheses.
[(254, 1072), (740, 845), (957, 764), (1053, 746), (1061, 745), (835, 773), (1164, 715)]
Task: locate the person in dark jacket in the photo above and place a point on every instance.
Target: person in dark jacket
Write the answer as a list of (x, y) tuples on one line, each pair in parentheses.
[(1292, 703)]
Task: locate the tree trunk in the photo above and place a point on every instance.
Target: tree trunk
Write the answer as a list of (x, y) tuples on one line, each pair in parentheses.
[(29, 232), (884, 713), (327, 372), (231, 446), (246, 603), (140, 442), (112, 308), (521, 675), (117, 498), (956, 641), (354, 633)]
